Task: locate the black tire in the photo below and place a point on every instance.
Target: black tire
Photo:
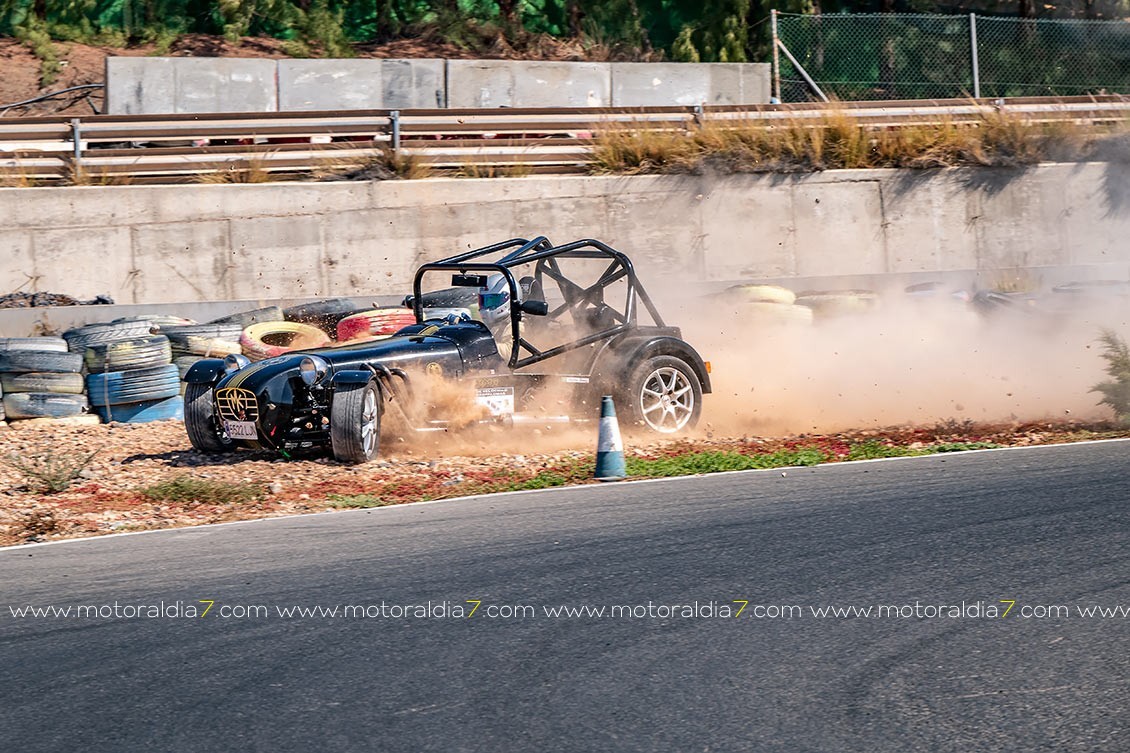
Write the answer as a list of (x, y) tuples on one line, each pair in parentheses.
[(92, 334), (246, 318), (123, 355), (42, 344), (184, 363), (144, 412), (355, 422), (26, 361), (159, 321), (181, 334), (200, 422), (322, 314), (664, 395), (135, 386), (63, 384), (43, 405), (203, 347)]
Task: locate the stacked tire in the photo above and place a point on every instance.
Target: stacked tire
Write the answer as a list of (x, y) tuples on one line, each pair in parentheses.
[(268, 339), (130, 377), (373, 324), (192, 342), (765, 305), (324, 314), (832, 304), (39, 378)]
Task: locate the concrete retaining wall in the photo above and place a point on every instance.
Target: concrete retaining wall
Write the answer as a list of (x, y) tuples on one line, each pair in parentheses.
[(196, 85), (161, 244)]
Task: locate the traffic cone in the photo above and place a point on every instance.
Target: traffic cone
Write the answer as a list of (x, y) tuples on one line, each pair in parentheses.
[(609, 448)]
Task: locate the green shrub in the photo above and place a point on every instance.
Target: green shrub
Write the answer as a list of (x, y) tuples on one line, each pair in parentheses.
[(718, 462), (872, 449), (50, 472), (186, 489), (1116, 391), (359, 501)]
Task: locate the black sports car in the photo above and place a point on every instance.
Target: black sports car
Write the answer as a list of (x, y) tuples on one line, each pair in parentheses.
[(526, 327)]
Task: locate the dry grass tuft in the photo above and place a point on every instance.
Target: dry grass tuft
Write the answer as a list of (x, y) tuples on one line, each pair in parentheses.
[(838, 141), (250, 170)]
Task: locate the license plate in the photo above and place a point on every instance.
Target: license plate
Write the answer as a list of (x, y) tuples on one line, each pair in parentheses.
[(498, 400), (240, 429)]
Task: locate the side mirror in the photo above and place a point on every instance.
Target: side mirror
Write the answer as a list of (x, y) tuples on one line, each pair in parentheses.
[(534, 308)]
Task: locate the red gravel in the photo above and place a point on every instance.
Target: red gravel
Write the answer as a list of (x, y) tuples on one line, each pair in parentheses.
[(107, 497)]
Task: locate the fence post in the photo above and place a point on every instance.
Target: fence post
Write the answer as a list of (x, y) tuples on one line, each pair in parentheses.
[(973, 47), (394, 121), (776, 57), (76, 137)]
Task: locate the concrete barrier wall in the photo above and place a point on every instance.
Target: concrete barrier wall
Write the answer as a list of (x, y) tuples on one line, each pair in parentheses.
[(527, 83), (143, 86), (161, 244), (361, 84), (136, 86), (663, 84)]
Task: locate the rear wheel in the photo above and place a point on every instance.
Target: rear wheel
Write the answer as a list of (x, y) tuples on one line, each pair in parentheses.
[(665, 395), (200, 422), (355, 422)]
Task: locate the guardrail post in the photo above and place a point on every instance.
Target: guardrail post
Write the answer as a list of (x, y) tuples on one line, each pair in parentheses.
[(973, 47), (776, 57), (76, 137), (394, 122), (699, 115)]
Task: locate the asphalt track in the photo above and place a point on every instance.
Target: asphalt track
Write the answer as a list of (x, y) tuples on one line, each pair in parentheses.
[(1041, 527)]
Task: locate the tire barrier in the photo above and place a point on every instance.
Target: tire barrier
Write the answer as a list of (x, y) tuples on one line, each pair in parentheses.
[(203, 347), (135, 386), (143, 412), (42, 344), (1094, 289), (184, 363), (33, 371), (123, 355), (324, 314), (92, 334), (228, 332), (34, 361), (760, 294), (64, 384), (82, 419), (43, 405), (256, 316), (384, 321), (270, 339), (832, 303), (159, 321)]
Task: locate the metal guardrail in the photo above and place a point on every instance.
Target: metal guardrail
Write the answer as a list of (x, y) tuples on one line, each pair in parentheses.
[(182, 148)]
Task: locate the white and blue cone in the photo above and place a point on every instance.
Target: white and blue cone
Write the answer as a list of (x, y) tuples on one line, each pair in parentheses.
[(609, 447)]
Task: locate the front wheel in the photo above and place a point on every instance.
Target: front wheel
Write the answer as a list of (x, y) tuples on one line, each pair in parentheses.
[(355, 422), (200, 420), (665, 395)]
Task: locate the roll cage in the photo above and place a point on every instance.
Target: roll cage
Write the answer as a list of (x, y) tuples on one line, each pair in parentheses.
[(504, 257)]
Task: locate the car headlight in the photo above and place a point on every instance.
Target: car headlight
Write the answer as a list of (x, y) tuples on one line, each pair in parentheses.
[(313, 369), (235, 362)]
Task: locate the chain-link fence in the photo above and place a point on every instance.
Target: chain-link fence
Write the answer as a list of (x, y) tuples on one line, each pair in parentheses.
[(911, 56)]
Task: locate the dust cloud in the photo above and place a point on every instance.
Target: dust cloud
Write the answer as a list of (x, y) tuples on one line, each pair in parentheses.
[(906, 361)]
